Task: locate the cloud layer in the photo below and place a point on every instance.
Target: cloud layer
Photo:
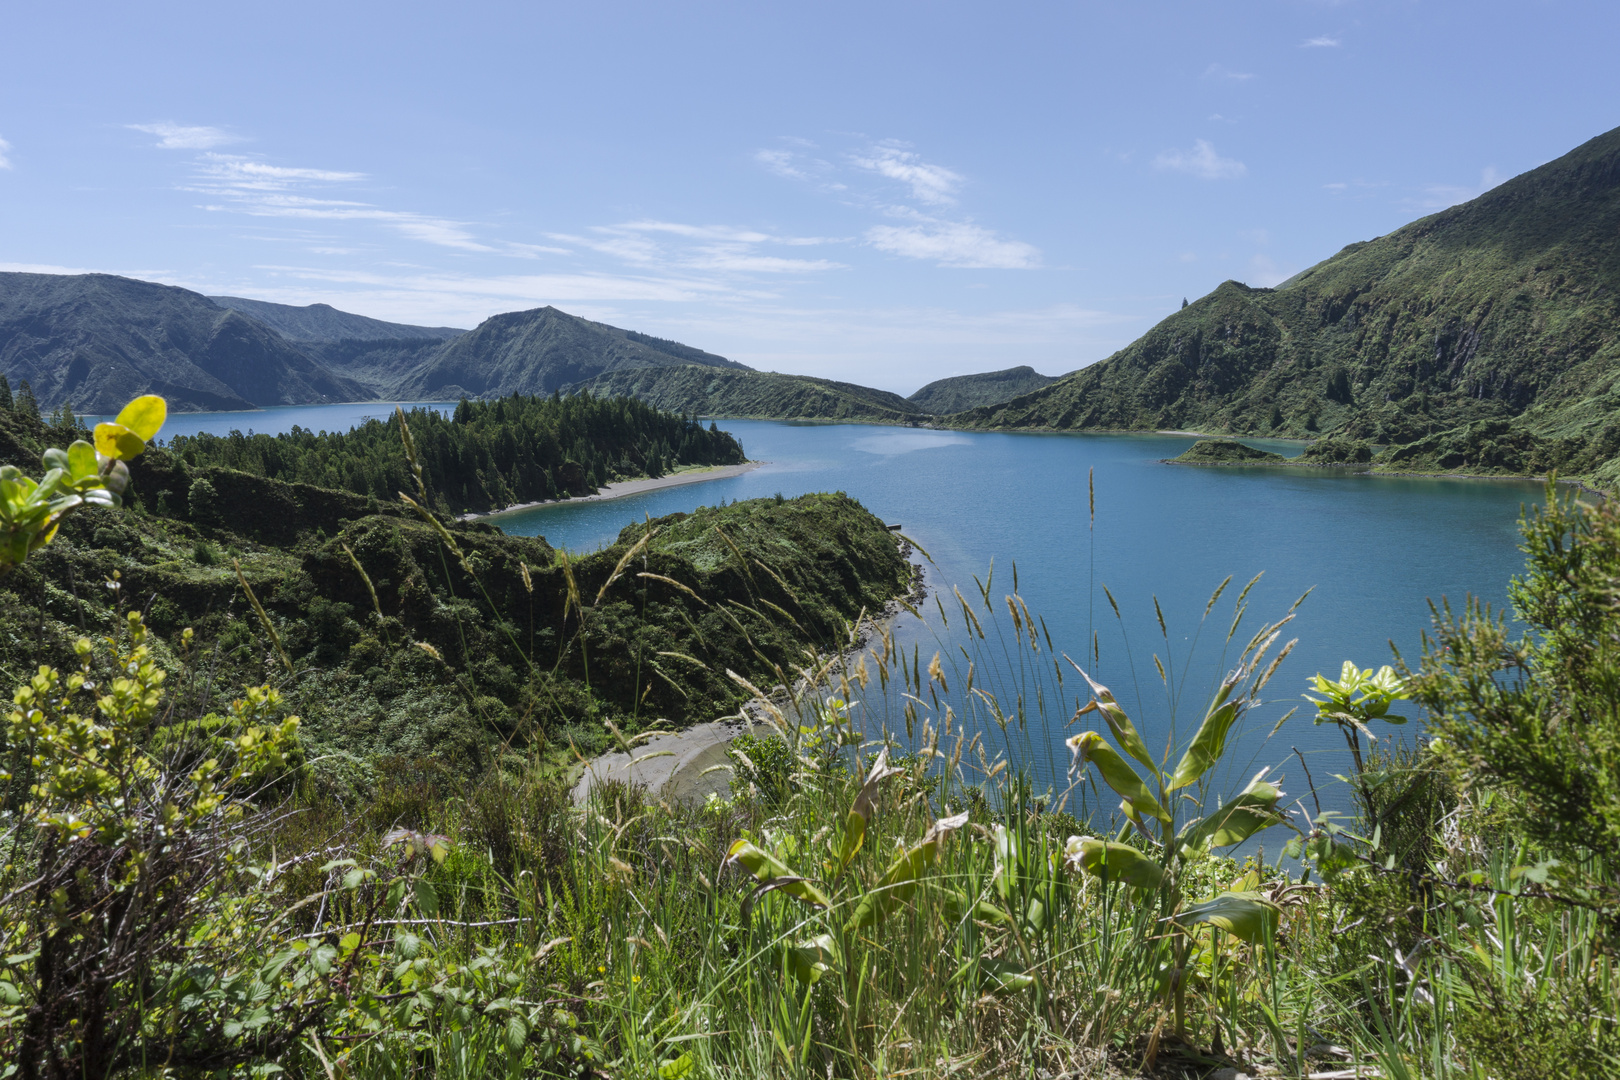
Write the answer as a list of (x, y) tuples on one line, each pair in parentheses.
[(185, 137), (5, 150), (954, 244), (1201, 161)]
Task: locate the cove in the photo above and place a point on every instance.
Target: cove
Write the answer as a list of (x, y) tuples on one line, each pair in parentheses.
[(1374, 550)]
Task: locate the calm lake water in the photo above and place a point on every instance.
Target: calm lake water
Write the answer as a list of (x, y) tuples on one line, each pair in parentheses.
[(1374, 549)]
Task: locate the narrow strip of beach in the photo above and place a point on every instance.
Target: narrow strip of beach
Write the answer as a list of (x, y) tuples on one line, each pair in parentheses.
[(635, 487)]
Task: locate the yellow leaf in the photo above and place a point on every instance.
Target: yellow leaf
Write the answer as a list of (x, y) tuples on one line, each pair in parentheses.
[(144, 416), (118, 442)]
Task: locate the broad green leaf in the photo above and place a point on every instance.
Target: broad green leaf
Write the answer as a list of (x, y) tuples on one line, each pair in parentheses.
[(808, 960), (768, 869), (118, 442), (1255, 808), (1114, 862), (1210, 741), (900, 881), (1246, 915), (144, 416), (1125, 732), (860, 813), (676, 1068), (517, 1033), (81, 461), (1090, 747), (427, 900)]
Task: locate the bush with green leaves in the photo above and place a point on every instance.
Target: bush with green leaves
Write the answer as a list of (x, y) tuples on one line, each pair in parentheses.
[(31, 511)]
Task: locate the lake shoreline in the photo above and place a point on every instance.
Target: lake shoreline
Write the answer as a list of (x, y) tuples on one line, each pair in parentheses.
[(623, 488), (689, 764), (1359, 470)]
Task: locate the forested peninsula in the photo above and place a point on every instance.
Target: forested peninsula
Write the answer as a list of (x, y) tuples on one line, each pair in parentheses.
[(486, 456), (408, 640)]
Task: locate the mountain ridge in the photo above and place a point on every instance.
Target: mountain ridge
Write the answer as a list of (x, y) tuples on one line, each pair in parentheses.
[(1504, 309)]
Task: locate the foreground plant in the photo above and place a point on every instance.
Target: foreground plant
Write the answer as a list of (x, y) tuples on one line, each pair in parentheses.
[(1173, 839), (82, 475)]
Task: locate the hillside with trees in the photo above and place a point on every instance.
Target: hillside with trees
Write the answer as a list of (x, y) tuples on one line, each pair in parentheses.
[(1492, 327)]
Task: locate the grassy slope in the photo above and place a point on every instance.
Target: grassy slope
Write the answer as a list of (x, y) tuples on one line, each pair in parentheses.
[(1506, 308), (538, 352), (512, 666), (95, 341), (755, 394), (962, 392)]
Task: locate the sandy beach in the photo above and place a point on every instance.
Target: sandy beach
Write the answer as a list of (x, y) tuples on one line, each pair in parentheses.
[(635, 487)]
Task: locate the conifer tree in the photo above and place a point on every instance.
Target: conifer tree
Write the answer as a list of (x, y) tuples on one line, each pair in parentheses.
[(5, 393), (27, 404)]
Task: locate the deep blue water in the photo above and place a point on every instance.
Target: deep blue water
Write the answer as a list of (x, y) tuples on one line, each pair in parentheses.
[(1375, 549)]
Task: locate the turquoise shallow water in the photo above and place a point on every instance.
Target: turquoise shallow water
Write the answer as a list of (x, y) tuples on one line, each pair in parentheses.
[(1375, 549)]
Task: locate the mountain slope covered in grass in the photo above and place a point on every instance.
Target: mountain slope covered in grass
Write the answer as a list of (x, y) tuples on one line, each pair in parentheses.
[(1503, 310), (538, 352), (765, 395), (370, 351), (960, 393), (95, 341)]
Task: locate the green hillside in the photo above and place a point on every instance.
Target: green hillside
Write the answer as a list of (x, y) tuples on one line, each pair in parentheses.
[(960, 393), (538, 352), (1502, 313), (95, 340), (372, 352), (755, 395)]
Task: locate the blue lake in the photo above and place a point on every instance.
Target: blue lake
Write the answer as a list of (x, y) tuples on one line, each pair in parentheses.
[(1375, 550)]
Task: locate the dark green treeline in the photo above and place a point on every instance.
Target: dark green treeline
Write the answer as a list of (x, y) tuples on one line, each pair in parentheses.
[(487, 455)]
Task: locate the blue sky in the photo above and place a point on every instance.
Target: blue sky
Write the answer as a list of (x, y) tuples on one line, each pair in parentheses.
[(881, 192)]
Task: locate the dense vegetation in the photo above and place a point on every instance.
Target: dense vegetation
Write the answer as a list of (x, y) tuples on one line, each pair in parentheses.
[(1225, 452), (748, 394), (394, 883), (519, 633), (485, 456), (1504, 311), (540, 352), (962, 392)]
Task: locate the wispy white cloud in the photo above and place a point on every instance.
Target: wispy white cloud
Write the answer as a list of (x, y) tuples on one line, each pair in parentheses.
[(925, 233), (698, 247), (1201, 161), (1217, 71), (1266, 273), (254, 187), (5, 151), (44, 268), (782, 163), (1441, 196), (797, 159), (186, 137), (933, 184), (1323, 42), (954, 244)]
